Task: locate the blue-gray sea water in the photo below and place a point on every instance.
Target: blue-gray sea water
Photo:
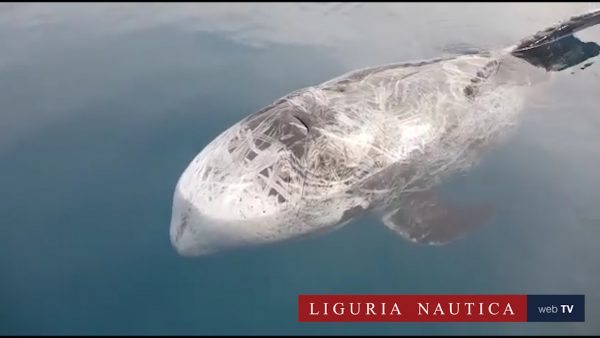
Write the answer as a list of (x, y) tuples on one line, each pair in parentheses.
[(102, 106)]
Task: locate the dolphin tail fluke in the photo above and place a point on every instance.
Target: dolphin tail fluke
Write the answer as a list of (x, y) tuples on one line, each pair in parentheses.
[(555, 48)]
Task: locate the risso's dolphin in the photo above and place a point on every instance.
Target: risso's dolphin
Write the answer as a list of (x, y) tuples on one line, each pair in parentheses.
[(373, 140)]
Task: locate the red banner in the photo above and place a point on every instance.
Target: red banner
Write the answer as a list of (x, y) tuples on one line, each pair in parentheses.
[(412, 308)]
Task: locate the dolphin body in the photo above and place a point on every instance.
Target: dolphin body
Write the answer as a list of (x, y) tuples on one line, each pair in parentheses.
[(374, 140)]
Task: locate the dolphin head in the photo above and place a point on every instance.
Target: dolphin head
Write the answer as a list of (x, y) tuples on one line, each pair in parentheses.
[(244, 187)]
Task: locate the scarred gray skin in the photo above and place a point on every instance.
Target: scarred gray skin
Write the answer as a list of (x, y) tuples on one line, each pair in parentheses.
[(377, 139)]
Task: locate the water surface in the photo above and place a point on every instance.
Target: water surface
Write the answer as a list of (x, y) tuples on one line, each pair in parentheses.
[(102, 106)]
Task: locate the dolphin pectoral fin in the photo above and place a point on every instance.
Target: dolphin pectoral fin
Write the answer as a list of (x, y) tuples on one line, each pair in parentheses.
[(427, 219)]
